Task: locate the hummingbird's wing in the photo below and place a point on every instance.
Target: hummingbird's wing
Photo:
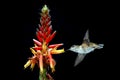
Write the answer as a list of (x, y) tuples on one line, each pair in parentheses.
[(81, 53), (79, 58), (86, 37)]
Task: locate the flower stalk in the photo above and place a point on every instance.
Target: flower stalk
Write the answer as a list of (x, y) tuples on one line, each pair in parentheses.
[(42, 51)]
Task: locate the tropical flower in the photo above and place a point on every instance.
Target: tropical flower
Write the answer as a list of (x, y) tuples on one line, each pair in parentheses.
[(42, 51)]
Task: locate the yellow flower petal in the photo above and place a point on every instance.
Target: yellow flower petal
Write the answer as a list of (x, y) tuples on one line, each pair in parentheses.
[(32, 65), (54, 63), (53, 69), (57, 51), (33, 51), (27, 64)]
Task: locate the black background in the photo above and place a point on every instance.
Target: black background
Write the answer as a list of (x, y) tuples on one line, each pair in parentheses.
[(70, 19)]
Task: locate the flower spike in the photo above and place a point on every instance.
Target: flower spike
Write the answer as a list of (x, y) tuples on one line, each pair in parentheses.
[(42, 51)]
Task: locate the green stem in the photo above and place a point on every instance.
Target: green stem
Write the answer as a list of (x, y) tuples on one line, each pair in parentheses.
[(43, 76)]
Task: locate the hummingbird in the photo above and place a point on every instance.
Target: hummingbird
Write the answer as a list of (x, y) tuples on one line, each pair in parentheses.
[(85, 48)]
